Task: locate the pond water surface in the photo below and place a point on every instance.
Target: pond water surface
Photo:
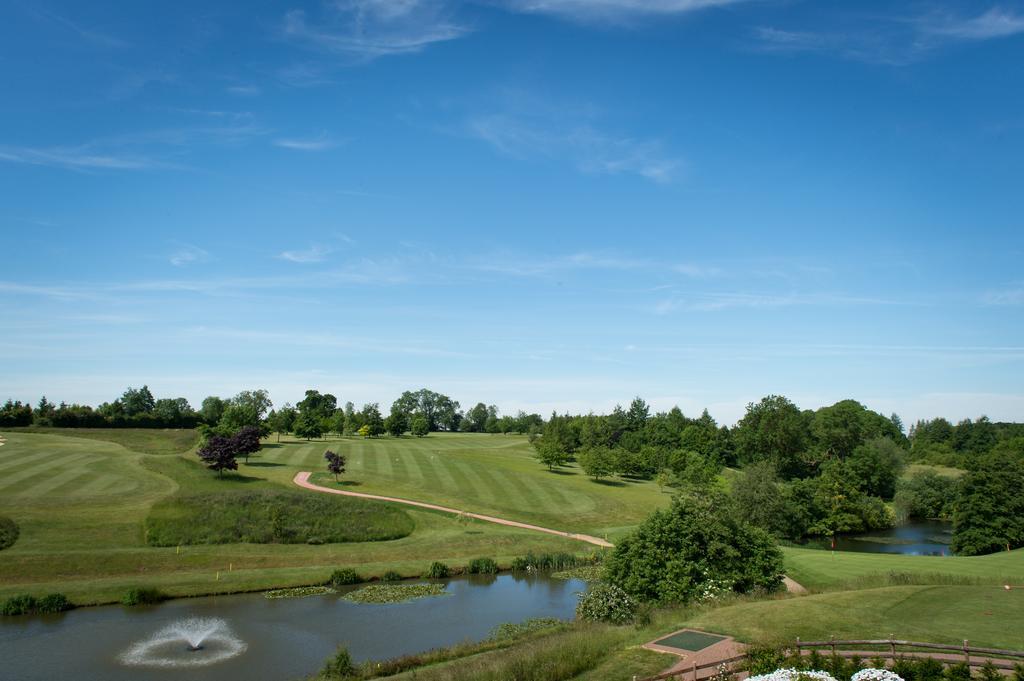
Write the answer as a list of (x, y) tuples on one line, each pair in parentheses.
[(278, 639), (915, 538)]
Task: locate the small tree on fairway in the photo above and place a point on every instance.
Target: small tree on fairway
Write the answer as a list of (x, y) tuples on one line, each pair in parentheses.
[(335, 463), (219, 454), (308, 426), (396, 424), (550, 453), (597, 462), (420, 426), (364, 431), (247, 441)]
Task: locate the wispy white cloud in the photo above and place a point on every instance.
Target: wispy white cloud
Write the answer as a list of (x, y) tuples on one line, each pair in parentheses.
[(606, 10), (589, 149), (187, 254), (1007, 296), (76, 158), (245, 90), (319, 143), (312, 254), (367, 29), (895, 40), (89, 35), (714, 301), (696, 271), (994, 23)]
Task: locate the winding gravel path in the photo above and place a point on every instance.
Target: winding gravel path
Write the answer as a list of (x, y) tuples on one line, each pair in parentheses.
[(302, 480)]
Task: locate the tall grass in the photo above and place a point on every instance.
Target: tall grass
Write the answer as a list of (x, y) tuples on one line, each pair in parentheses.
[(272, 517)]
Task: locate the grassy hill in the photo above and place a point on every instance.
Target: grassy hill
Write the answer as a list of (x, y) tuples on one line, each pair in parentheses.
[(81, 503)]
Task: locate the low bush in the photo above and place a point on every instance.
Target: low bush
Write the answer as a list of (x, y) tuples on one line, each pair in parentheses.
[(509, 631), (30, 605), (390, 576), (272, 517), (482, 566), (437, 570), (142, 596), (606, 603), (8, 532), (339, 666), (343, 577), (547, 562)]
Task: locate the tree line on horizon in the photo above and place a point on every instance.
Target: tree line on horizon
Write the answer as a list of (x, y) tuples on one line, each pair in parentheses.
[(797, 473)]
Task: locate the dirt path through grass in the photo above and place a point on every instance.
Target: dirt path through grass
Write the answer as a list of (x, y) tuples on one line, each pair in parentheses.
[(302, 480)]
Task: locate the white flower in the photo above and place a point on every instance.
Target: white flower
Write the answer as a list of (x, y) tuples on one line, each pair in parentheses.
[(876, 675), (794, 675)]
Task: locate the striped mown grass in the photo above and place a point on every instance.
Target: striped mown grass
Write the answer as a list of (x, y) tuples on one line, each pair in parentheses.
[(80, 505)]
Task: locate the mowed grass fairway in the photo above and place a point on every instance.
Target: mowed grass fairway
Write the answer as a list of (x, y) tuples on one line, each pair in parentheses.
[(81, 504), (820, 569), (987, 615), (491, 474)]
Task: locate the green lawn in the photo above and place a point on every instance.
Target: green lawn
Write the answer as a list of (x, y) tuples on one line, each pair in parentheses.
[(493, 474), (81, 504), (820, 569), (138, 440), (987, 615)]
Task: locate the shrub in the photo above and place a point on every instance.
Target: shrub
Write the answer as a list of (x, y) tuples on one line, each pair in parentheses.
[(546, 562), (30, 605), (8, 532), (606, 603), (437, 570), (958, 672), (482, 566), (52, 603), (677, 552), (344, 576), (989, 672), (272, 517), (390, 576), (19, 605), (339, 666), (142, 596), (762, 659)]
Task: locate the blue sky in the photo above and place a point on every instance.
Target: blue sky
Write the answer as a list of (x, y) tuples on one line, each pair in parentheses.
[(542, 204)]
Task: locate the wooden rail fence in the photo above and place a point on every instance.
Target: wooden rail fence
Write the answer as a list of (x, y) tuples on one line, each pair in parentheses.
[(885, 648)]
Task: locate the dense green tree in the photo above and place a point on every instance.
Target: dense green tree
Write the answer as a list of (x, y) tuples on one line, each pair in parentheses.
[(774, 430), (15, 414), (696, 544), (989, 513), (175, 410), (549, 453), (320, 405), (212, 409), (372, 420), (877, 465), (926, 494), (441, 412), (597, 462), (636, 417), (396, 424), (307, 425), (139, 401), (759, 499), (476, 418), (419, 426)]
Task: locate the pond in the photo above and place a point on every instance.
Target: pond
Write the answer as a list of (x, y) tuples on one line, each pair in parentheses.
[(257, 638), (915, 538)]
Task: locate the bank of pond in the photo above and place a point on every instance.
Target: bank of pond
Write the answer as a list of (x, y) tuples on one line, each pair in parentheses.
[(248, 636), (911, 538)]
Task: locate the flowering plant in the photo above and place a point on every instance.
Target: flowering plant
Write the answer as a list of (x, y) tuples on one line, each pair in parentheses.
[(793, 675), (876, 675)]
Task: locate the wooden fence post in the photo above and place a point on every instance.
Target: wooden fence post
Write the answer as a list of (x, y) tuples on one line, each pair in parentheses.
[(967, 653), (892, 647), (798, 651), (832, 638)]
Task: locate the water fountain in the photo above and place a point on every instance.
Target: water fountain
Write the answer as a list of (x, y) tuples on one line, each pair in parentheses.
[(192, 642)]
